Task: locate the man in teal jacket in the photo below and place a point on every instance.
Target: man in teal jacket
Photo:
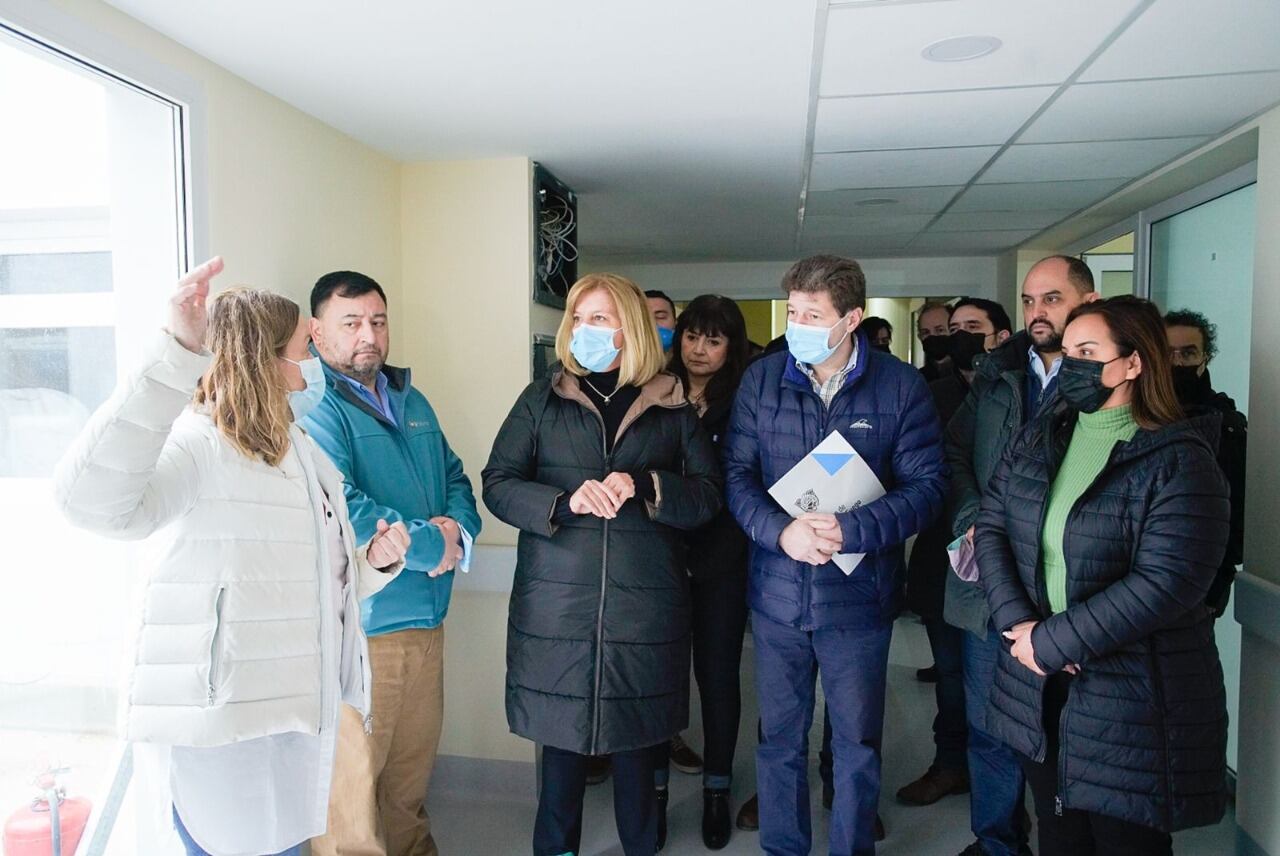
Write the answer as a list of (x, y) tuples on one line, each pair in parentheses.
[(385, 438)]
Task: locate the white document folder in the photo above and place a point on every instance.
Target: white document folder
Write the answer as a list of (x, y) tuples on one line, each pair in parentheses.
[(832, 479)]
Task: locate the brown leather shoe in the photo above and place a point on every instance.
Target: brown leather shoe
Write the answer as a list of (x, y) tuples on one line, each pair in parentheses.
[(683, 758), (749, 814), (936, 783), (598, 767)]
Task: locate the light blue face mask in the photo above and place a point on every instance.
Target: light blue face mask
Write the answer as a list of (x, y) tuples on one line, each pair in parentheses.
[(303, 401), (593, 347), (808, 343), (667, 337)]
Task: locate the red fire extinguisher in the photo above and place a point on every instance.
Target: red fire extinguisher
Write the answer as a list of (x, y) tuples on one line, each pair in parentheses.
[(51, 825)]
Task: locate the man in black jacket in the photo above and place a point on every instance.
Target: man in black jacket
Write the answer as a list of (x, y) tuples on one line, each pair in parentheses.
[(1193, 345), (977, 326)]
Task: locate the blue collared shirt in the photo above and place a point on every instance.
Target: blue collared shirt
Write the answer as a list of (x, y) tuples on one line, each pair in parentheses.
[(1036, 397), (382, 403)]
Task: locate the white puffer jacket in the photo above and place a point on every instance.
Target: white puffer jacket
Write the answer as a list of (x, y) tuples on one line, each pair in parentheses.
[(239, 638)]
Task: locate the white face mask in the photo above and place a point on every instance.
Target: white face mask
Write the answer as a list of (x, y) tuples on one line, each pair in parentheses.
[(303, 401)]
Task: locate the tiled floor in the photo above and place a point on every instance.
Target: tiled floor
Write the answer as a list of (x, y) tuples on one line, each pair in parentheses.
[(472, 827)]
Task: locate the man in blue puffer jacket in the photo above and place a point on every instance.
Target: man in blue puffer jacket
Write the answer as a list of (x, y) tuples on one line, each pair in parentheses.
[(397, 466), (806, 614)]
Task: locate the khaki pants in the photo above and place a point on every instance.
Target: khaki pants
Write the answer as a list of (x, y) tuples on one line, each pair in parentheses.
[(377, 802)]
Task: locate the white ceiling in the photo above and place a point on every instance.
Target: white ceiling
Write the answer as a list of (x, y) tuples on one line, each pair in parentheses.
[(729, 131)]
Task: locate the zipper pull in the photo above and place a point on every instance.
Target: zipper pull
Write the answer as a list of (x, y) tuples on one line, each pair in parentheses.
[(368, 724), (211, 694), (1057, 805)]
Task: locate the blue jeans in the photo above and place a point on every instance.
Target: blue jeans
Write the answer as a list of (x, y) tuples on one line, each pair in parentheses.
[(996, 778), (950, 731), (194, 849), (853, 664)]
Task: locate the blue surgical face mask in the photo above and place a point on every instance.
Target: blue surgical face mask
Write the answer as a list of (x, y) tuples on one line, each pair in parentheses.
[(667, 336), (303, 401), (808, 344), (593, 347)]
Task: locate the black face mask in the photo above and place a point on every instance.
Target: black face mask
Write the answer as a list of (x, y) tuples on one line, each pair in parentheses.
[(1188, 384), (881, 346), (966, 345), (1080, 383), (936, 348)]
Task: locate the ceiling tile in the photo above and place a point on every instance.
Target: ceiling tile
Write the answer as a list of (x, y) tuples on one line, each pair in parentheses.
[(906, 200), (864, 224), (976, 118), (1177, 37), (973, 221), (903, 168), (861, 247), (1035, 195), (969, 242), (1190, 106), (876, 50), (1065, 161)]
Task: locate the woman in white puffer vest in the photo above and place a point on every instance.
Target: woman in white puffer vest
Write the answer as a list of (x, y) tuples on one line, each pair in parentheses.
[(250, 636)]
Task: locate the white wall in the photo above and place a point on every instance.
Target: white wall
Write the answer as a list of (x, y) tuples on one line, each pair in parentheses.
[(1258, 794), (923, 277)]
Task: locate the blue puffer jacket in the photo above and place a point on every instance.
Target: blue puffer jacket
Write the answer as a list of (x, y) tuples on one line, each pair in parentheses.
[(404, 472), (886, 413)]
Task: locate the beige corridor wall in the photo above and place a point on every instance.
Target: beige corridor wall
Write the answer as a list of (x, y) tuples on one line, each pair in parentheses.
[(288, 197)]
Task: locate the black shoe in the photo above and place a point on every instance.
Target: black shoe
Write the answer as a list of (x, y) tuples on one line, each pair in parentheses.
[(598, 767), (927, 676), (715, 817), (662, 795), (749, 815)]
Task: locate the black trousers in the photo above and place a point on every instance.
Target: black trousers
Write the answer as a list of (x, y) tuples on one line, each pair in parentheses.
[(950, 726), (719, 620), (1073, 832), (558, 827)]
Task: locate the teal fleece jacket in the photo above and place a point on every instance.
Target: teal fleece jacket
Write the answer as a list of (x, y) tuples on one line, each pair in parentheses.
[(396, 472)]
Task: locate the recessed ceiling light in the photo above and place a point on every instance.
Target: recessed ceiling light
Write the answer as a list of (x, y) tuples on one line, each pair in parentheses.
[(961, 48), (875, 200)]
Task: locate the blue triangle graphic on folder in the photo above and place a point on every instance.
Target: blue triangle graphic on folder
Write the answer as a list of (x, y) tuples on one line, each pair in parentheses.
[(832, 462)]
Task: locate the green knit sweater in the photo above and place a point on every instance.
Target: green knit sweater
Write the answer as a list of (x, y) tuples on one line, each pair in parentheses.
[(1095, 436)]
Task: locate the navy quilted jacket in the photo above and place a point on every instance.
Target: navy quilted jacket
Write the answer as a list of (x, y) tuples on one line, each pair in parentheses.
[(1143, 734), (886, 413)]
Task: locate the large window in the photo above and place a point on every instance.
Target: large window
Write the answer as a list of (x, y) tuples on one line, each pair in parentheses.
[(92, 235)]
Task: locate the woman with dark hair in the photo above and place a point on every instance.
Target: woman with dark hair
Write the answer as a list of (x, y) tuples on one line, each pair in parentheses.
[(1102, 531), (879, 332), (711, 351)]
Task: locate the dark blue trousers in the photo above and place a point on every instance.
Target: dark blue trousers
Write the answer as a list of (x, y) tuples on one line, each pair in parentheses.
[(996, 779), (558, 827), (853, 664)]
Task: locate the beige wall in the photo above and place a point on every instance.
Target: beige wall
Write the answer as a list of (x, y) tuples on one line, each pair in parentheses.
[(1258, 794), (465, 314), (289, 197)]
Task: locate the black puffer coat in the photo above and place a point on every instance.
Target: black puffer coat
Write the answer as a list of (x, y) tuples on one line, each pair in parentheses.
[(598, 634), (1144, 731)]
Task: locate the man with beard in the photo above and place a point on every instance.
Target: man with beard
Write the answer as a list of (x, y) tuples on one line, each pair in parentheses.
[(396, 465), (1193, 345), (1011, 385)]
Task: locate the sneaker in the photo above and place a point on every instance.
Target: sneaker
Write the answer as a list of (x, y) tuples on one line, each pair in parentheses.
[(749, 815), (683, 758), (936, 783), (598, 767)]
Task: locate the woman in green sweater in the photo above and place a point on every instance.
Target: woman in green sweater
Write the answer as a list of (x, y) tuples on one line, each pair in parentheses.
[(1097, 542)]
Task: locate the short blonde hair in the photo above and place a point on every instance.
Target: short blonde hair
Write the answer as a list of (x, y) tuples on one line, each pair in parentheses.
[(243, 389), (642, 354)]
